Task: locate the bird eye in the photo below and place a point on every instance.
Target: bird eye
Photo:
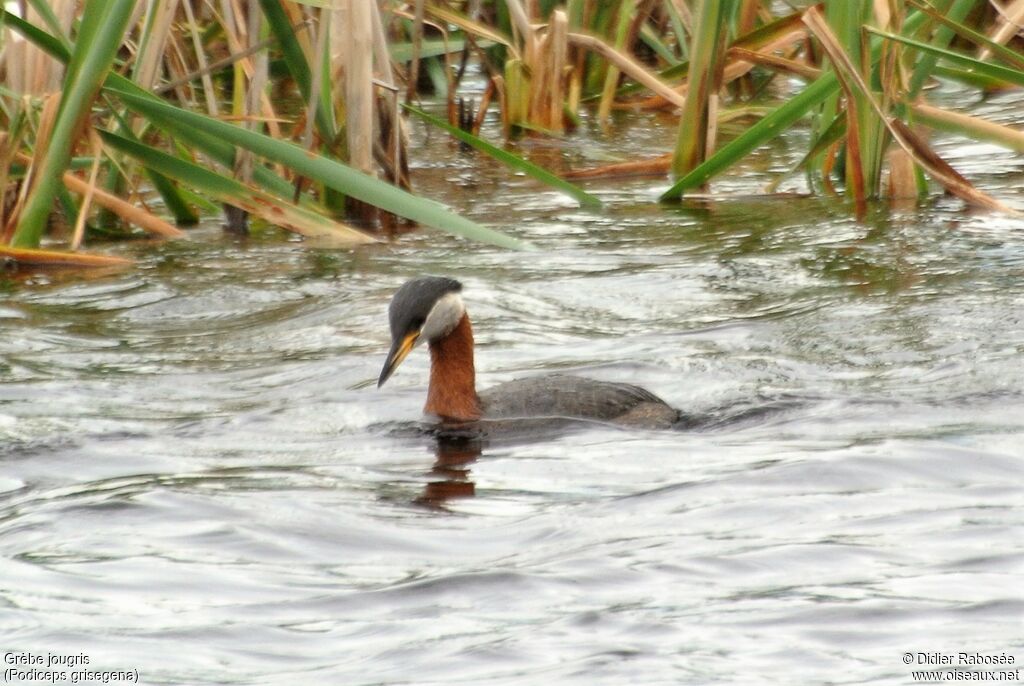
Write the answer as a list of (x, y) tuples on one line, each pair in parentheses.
[(418, 323)]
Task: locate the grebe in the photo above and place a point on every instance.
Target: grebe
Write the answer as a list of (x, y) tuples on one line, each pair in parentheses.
[(431, 309)]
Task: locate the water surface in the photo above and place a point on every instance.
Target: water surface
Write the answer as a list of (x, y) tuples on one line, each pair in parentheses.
[(200, 480)]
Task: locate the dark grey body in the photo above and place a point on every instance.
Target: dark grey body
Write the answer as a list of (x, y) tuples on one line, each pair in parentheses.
[(574, 397)]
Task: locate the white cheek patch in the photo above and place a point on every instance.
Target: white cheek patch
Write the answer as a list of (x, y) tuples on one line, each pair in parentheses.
[(443, 317)]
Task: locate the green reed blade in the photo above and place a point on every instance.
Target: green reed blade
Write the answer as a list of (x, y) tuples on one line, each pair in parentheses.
[(101, 31), (706, 57), (995, 71), (757, 135), (1007, 55), (321, 169), (57, 49), (951, 17), (220, 150), (298, 65), (402, 52), (973, 128), (232, 192), (771, 125), (507, 158)]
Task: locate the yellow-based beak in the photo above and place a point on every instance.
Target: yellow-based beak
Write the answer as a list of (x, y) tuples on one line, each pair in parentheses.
[(399, 350)]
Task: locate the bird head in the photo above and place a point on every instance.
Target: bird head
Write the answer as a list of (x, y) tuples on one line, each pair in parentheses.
[(424, 309)]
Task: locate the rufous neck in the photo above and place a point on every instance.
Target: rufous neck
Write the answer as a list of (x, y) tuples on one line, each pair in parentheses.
[(452, 392)]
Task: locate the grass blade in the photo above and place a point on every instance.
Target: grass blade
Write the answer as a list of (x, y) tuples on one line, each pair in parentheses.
[(127, 211), (1004, 53), (628, 66), (918, 150), (507, 158), (941, 171), (769, 127), (757, 135), (232, 192), (994, 71), (221, 151), (611, 78), (971, 127), (859, 115), (57, 49), (57, 258), (696, 125), (329, 172), (949, 19), (298, 65), (472, 27), (102, 28), (402, 52)]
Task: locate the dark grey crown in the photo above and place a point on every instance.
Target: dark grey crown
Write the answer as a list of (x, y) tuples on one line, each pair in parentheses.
[(413, 301)]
